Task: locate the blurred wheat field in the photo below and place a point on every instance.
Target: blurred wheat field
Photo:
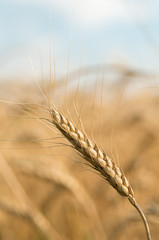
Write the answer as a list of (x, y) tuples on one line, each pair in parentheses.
[(59, 188)]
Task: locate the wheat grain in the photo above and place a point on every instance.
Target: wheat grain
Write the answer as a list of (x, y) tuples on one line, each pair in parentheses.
[(98, 159), (93, 154)]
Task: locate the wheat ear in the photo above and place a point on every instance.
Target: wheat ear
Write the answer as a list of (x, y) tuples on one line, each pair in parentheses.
[(97, 159)]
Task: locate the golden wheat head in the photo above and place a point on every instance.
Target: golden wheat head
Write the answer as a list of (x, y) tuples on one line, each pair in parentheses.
[(93, 154), (98, 159)]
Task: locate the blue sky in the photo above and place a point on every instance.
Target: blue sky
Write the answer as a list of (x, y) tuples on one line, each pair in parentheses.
[(103, 31)]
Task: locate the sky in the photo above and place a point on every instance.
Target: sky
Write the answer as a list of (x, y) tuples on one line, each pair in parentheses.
[(86, 32)]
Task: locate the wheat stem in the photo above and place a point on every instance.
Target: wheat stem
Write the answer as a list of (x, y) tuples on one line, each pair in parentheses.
[(134, 203)]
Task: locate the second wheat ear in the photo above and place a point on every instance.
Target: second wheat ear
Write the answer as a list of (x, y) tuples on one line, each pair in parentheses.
[(98, 159)]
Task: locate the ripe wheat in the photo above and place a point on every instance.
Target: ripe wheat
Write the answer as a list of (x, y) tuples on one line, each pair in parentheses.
[(97, 159)]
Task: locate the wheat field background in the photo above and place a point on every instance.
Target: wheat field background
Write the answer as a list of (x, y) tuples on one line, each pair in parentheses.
[(47, 189)]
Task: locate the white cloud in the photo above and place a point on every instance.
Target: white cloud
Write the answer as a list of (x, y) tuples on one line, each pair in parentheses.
[(88, 12), (93, 13)]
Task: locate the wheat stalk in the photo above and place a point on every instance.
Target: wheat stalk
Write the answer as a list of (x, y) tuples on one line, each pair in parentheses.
[(97, 159), (25, 205), (10, 207)]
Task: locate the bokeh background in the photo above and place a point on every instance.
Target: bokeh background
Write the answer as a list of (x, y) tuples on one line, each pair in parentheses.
[(104, 56)]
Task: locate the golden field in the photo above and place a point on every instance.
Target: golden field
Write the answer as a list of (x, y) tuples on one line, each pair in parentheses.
[(48, 191)]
